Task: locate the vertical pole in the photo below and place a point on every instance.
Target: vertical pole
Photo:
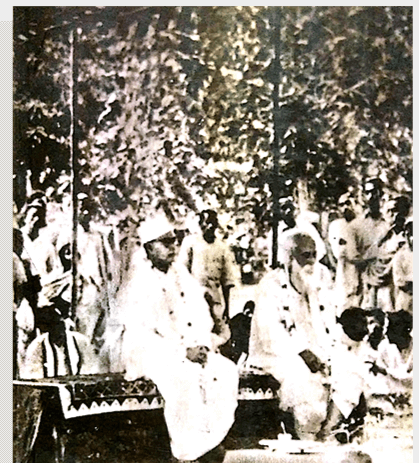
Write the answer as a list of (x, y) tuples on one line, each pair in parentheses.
[(74, 165), (276, 38)]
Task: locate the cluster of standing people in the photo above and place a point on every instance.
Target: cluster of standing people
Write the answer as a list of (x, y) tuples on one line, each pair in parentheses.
[(158, 305)]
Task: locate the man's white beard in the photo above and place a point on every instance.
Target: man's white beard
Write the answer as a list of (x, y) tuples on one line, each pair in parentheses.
[(308, 277), (307, 271)]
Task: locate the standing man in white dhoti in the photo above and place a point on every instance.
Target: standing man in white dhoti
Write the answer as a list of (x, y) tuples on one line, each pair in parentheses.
[(168, 338)]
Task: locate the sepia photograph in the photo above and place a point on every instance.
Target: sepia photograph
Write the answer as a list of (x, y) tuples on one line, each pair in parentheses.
[(213, 234)]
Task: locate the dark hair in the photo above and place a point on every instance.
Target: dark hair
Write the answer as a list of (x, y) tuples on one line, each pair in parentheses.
[(402, 205), (250, 305), (354, 323), (37, 195), (208, 214), (400, 325), (377, 185)]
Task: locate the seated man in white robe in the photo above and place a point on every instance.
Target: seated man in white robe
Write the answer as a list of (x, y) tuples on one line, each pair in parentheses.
[(168, 338), (292, 333)]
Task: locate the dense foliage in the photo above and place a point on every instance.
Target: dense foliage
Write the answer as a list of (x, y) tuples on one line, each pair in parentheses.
[(173, 107)]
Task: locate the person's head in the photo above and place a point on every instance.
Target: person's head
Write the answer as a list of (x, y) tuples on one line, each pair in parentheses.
[(345, 205), (87, 208), (354, 323), (401, 205), (373, 192), (400, 325), (249, 308), (208, 222), (302, 249), (376, 319), (162, 251), (288, 214), (158, 236)]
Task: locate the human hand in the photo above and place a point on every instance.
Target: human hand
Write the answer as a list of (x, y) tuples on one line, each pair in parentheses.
[(198, 354), (312, 361), (375, 369)]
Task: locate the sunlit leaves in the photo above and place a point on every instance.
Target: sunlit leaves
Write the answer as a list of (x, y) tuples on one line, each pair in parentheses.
[(175, 105)]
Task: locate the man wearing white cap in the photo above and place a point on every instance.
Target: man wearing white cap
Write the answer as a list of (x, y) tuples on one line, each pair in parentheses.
[(168, 338)]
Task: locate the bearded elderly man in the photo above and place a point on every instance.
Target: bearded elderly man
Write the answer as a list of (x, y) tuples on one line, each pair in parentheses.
[(168, 338), (292, 333)]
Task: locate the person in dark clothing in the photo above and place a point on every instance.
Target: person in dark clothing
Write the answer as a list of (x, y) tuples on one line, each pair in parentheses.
[(240, 333)]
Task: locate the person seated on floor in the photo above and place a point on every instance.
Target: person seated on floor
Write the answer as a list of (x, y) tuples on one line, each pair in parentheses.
[(58, 350), (396, 361), (352, 371)]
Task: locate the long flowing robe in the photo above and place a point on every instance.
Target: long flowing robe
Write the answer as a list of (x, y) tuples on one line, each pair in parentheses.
[(164, 314), (284, 324)]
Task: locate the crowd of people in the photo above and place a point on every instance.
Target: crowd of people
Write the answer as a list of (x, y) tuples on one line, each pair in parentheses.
[(332, 323)]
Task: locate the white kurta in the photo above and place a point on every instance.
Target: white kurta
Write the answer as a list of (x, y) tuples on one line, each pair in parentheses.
[(212, 264), (369, 234), (350, 372), (284, 324), (403, 274), (164, 314), (347, 281)]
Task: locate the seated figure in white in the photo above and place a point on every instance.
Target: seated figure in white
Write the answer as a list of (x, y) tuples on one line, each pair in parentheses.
[(292, 333), (168, 338)]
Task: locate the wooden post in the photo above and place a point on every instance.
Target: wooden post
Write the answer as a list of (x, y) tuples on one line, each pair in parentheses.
[(276, 66), (74, 164)]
